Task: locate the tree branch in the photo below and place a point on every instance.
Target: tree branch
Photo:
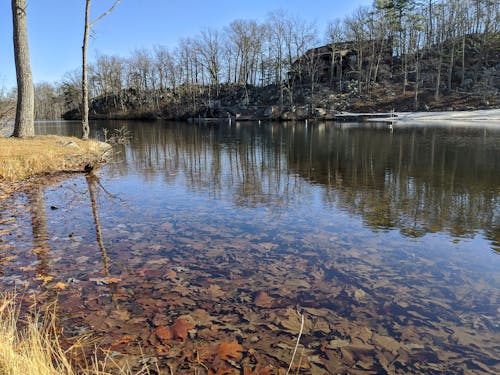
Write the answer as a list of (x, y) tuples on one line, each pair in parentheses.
[(92, 24)]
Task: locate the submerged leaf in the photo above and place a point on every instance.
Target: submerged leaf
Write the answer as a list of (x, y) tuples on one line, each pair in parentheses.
[(257, 371), (262, 299), (164, 333), (227, 350), (60, 285), (178, 330)]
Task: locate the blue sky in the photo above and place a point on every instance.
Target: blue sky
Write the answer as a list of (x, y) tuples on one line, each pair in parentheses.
[(55, 27)]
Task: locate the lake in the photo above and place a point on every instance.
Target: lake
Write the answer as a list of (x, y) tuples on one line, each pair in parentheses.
[(216, 247)]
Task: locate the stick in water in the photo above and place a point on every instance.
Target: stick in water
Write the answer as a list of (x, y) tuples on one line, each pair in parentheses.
[(297, 343)]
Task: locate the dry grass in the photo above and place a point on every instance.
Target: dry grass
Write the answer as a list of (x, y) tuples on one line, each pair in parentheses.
[(30, 350), (24, 158), (30, 345)]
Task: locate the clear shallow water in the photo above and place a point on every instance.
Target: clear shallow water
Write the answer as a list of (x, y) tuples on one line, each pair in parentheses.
[(386, 242)]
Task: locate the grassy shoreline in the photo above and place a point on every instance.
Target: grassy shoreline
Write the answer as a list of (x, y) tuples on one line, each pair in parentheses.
[(30, 344), (21, 159)]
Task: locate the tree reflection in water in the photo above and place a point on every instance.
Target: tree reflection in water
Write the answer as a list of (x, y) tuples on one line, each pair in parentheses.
[(418, 180), (41, 247), (93, 182), (237, 226)]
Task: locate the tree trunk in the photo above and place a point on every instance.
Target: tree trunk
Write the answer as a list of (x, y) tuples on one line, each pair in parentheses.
[(450, 65), (340, 73), (24, 124), (429, 25), (463, 61), (85, 91), (438, 76), (360, 68), (417, 79), (332, 66), (405, 72)]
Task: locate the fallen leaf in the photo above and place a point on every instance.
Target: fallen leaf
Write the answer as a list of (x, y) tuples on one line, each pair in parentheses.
[(257, 371), (60, 285), (171, 275), (387, 343), (215, 292), (105, 280), (111, 280), (337, 343), (166, 226), (292, 322), (120, 315), (227, 350), (221, 371), (180, 328), (164, 333), (45, 278), (27, 268), (359, 294), (262, 299), (122, 340)]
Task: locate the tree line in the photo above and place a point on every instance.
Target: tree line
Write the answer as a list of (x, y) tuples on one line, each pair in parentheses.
[(438, 45)]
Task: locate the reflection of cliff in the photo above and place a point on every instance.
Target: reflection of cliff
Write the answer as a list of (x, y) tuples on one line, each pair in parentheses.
[(419, 180)]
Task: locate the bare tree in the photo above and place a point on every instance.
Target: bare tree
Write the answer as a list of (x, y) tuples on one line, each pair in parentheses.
[(209, 48), (356, 28), (423, 44), (24, 124), (276, 28), (141, 70), (245, 41), (107, 76), (335, 34), (71, 90), (85, 94), (7, 109), (49, 102), (299, 37)]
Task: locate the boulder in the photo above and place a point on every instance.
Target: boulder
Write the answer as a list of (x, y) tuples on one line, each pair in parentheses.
[(273, 111)]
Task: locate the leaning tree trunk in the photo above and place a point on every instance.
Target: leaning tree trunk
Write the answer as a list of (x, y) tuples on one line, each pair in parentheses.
[(85, 90), (24, 124)]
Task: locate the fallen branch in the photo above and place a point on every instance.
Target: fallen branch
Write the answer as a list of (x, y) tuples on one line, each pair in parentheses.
[(297, 343)]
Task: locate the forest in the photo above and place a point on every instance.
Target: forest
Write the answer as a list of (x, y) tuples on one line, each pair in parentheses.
[(396, 54)]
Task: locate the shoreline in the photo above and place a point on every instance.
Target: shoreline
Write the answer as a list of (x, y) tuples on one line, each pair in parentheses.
[(484, 117), (490, 117), (25, 158)]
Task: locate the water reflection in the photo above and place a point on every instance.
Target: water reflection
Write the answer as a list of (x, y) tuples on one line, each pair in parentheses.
[(419, 180), (41, 248), (416, 179), (380, 238), (92, 182)]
